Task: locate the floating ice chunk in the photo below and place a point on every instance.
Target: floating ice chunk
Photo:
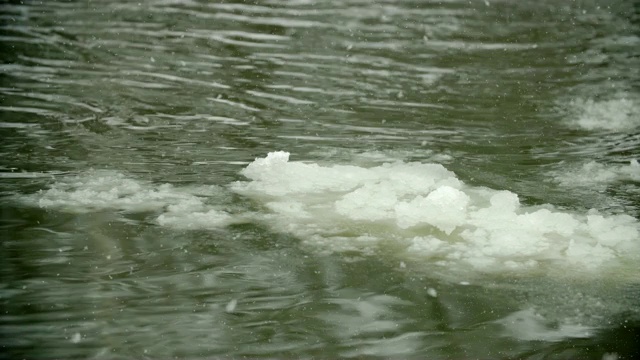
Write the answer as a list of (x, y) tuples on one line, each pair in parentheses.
[(432, 292), (436, 217), (505, 201), (211, 219), (289, 208), (504, 244), (274, 158), (97, 190), (587, 255), (444, 208), (275, 176), (614, 231), (547, 221), (370, 202), (427, 245)]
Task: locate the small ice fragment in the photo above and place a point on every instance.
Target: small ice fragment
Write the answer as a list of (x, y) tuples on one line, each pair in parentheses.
[(402, 265), (152, 59), (76, 338), (108, 257), (486, 2), (465, 283), (432, 292), (231, 306)]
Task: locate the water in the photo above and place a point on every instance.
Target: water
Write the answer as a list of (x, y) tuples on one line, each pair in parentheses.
[(460, 179)]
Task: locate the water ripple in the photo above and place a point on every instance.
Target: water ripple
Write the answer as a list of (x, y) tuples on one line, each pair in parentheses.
[(521, 96)]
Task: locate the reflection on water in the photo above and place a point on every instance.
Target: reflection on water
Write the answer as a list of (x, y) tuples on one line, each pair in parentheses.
[(126, 127)]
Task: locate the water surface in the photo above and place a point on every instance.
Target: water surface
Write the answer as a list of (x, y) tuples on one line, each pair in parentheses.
[(462, 179)]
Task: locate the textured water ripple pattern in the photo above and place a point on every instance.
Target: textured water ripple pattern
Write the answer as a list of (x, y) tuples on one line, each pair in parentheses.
[(125, 127)]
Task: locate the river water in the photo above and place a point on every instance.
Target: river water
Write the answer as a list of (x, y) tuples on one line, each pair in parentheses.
[(320, 179)]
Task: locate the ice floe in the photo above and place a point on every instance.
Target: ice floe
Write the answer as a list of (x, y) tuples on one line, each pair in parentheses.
[(434, 216)]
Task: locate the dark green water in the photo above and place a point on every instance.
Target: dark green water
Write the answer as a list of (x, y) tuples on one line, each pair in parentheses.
[(124, 128)]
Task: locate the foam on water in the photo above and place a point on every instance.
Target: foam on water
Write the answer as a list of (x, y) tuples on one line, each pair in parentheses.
[(528, 325), (618, 114), (594, 174), (99, 190), (432, 216)]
